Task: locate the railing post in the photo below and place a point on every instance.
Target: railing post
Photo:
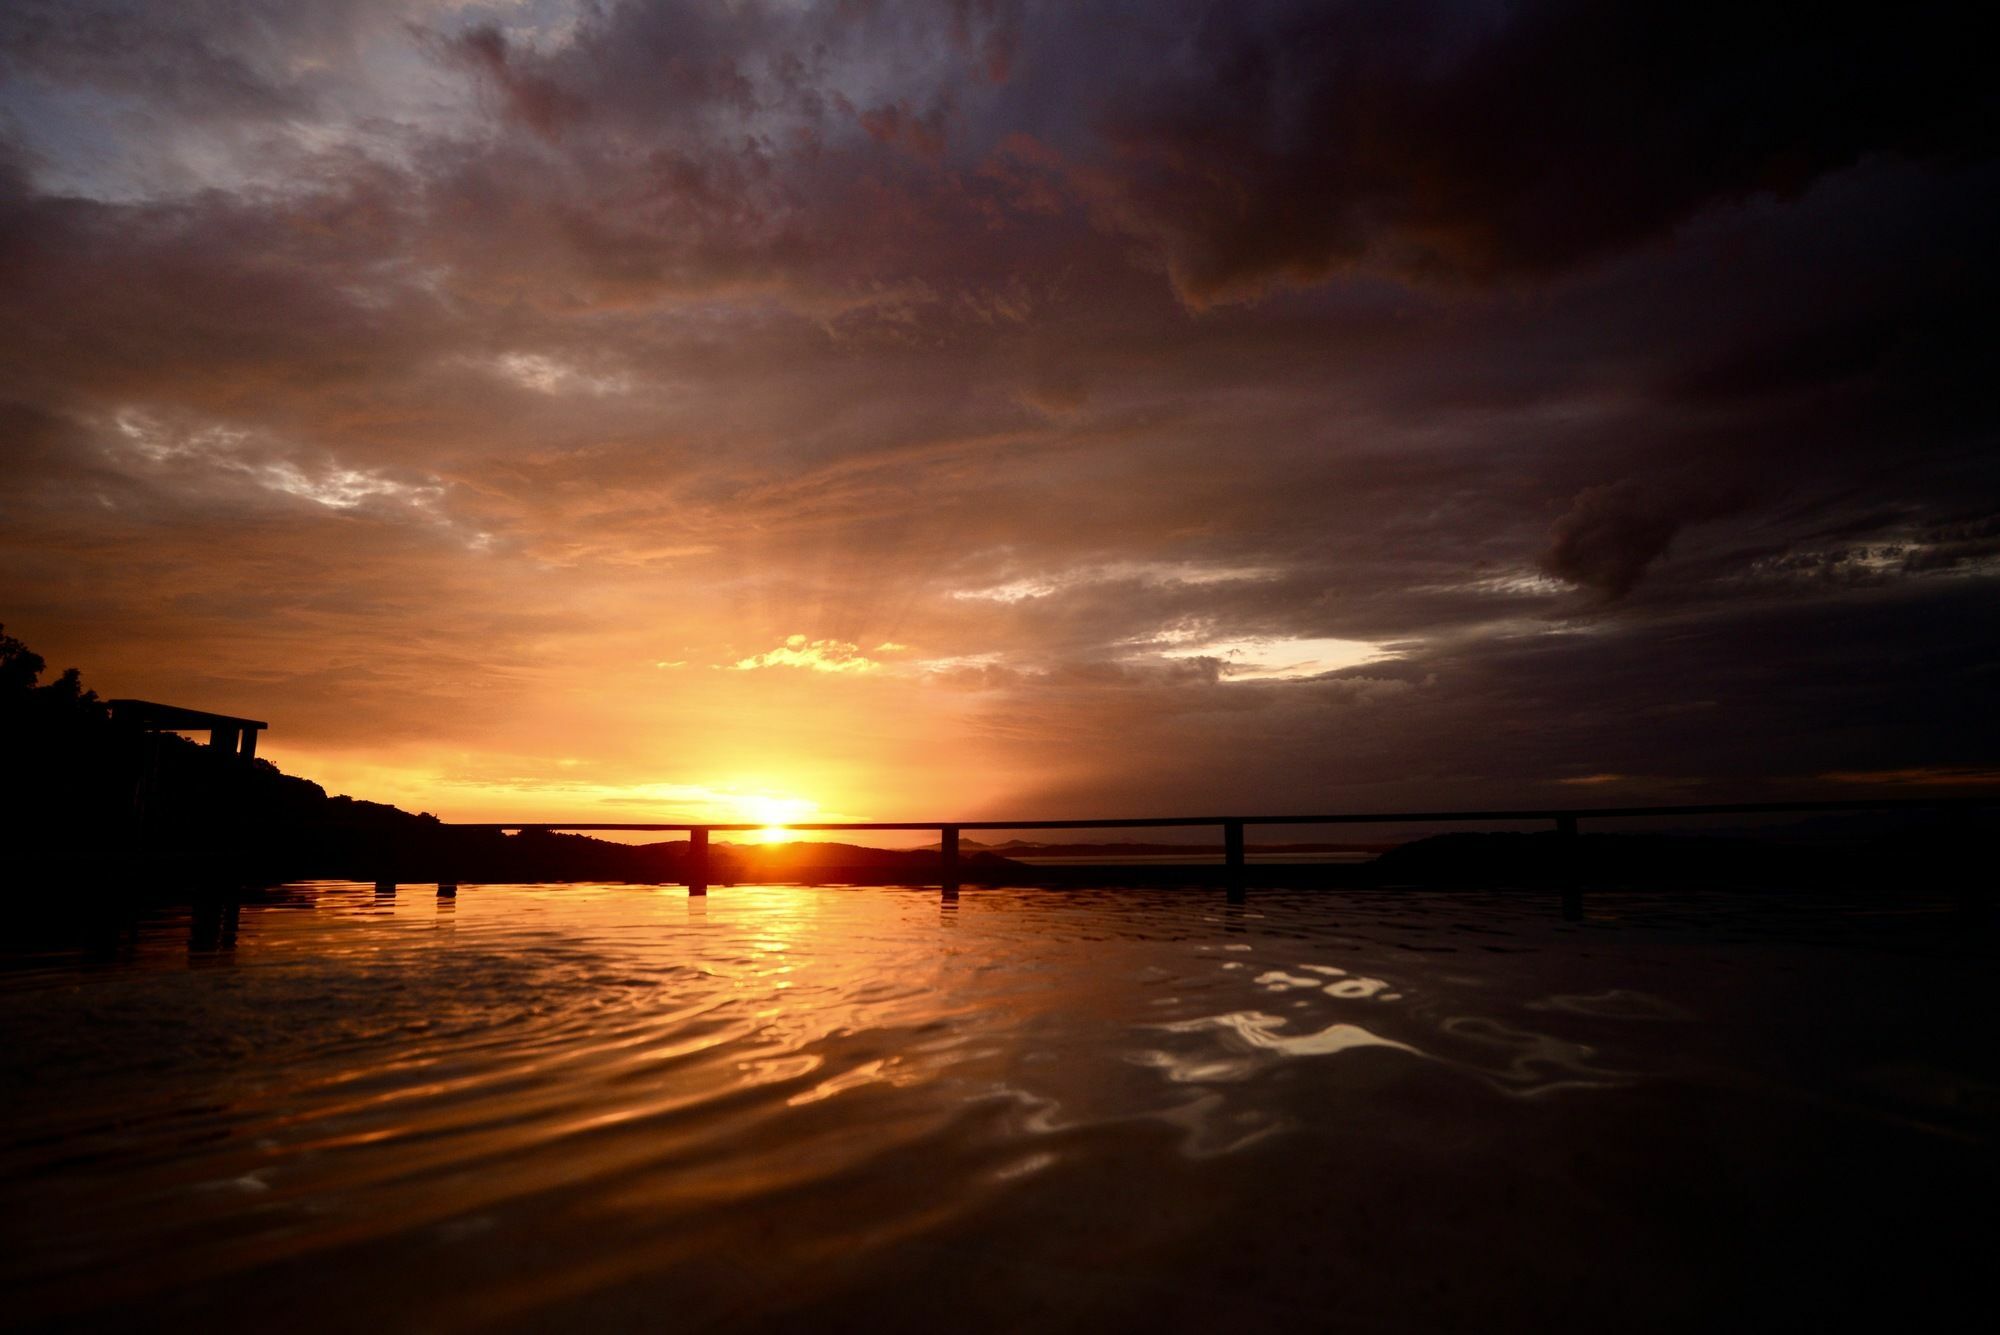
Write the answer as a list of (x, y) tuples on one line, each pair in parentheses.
[(1568, 872), (697, 868), (948, 861), (1232, 854)]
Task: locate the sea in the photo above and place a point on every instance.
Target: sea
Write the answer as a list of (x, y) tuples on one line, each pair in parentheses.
[(614, 1107)]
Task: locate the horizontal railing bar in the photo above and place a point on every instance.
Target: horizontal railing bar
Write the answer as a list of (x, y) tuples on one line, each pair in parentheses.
[(1341, 818)]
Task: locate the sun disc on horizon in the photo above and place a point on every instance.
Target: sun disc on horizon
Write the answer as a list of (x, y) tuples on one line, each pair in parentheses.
[(774, 812)]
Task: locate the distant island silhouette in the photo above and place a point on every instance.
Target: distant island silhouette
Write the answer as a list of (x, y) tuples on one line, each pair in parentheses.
[(93, 800)]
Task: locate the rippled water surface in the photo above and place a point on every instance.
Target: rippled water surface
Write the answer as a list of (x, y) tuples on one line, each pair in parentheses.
[(591, 1107)]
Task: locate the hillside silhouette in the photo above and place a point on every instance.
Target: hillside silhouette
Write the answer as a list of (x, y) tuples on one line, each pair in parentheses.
[(90, 801)]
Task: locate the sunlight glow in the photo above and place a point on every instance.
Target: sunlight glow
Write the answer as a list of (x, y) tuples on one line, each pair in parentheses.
[(775, 811), (818, 655), (1271, 659)]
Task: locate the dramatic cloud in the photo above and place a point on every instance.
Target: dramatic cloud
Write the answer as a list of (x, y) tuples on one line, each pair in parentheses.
[(1010, 407), (1286, 142), (1608, 538)]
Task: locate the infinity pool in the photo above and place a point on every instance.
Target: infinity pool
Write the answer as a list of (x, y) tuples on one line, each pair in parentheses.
[(591, 1107)]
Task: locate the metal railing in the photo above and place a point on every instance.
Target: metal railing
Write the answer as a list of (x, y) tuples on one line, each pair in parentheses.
[(1565, 819)]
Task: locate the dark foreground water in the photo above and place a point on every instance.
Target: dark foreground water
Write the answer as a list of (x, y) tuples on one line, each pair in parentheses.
[(574, 1108)]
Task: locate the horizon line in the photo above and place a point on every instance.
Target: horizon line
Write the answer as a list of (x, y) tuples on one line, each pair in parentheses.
[(1340, 818)]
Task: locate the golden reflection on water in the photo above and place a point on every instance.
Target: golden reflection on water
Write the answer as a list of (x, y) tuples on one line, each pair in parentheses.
[(499, 1106)]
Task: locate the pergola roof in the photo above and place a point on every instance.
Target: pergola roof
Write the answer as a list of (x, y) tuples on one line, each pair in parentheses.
[(173, 718)]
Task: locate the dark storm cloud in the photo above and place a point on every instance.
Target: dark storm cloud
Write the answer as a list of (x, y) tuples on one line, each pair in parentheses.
[(1608, 537), (1606, 367), (535, 101), (1284, 142), (1673, 707)]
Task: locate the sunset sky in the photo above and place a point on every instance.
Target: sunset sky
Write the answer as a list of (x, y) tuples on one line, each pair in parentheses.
[(875, 411)]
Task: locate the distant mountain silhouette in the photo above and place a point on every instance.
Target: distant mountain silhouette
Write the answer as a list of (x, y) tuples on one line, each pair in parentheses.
[(1032, 848), (89, 802)]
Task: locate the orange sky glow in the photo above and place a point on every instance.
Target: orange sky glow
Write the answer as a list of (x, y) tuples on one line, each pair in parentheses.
[(984, 412)]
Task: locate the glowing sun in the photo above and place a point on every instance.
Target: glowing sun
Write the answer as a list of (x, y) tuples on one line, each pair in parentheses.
[(774, 812)]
